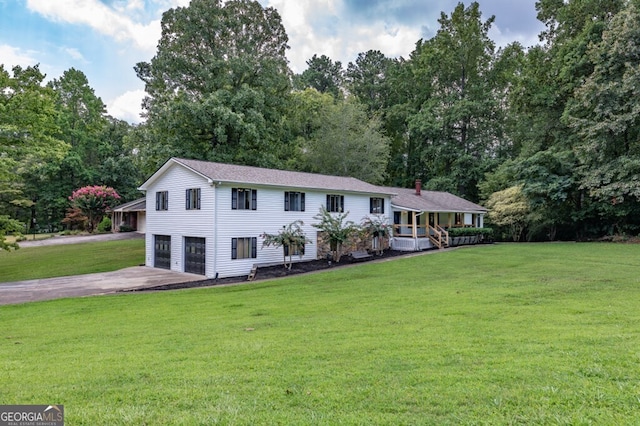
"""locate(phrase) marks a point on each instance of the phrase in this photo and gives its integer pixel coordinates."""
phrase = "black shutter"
(234, 199)
(371, 207)
(234, 248)
(328, 201)
(188, 199)
(254, 247)
(157, 201)
(381, 205)
(302, 201)
(198, 193)
(254, 199)
(341, 203)
(286, 201)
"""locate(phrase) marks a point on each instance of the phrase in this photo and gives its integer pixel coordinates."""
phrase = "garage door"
(162, 251)
(194, 255)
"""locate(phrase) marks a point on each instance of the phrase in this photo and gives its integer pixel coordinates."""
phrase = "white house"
(207, 218)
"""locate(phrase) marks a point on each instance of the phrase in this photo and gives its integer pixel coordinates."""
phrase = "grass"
(70, 259)
(502, 334)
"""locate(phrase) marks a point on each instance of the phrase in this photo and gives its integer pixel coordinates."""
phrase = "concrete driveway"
(90, 284)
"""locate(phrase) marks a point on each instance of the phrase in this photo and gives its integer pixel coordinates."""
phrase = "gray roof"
(433, 201)
(138, 205)
(247, 175)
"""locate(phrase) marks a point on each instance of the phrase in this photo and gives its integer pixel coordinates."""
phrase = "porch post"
(414, 229)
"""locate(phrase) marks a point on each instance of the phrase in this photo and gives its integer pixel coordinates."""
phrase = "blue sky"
(106, 38)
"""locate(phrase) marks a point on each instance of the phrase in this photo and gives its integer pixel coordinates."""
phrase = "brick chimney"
(418, 186)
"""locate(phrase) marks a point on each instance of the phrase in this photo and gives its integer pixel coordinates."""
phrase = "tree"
(337, 231)
(367, 79)
(605, 114)
(28, 137)
(509, 208)
(378, 228)
(291, 238)
(93, 202)
(322, 74)
(9, 226)
(455, 124)
(218, 85)
(348, 143)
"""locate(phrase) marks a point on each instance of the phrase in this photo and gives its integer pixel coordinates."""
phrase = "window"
(244, 199)
(193, 199)
(458, 219)
(335, 203)
(244, 248)
(376, 205)
(293, 201)
(162, 200)
(296, 251)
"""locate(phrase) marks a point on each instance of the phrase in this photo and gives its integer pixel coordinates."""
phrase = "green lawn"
(69, 259)
(501, 334)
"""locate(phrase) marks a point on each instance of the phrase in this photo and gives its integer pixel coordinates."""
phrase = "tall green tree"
(322, 74)
(455, 125)
(367, 80)
(218, 85)
(605, 112)
(29, 138)
(348, 142)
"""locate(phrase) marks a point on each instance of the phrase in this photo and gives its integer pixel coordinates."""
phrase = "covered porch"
(415, 230)
(130, 216)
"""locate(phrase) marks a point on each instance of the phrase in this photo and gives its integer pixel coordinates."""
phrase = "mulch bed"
(278, 271)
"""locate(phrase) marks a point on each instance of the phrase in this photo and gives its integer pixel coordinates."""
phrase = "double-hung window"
(162, 200)
(293, 251)
(244, 248)
(192, 199)
(335, 203)
(293, 201)
(244, 199)
(376, 205)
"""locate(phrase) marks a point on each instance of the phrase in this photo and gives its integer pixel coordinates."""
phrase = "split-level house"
(207, 218)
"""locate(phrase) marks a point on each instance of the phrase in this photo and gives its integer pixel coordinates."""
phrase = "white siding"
(270, 217)
(218, 223)
(177, 221)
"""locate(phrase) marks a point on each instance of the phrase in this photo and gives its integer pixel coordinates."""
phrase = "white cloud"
(348, 39)
(12, 56)
(127, 106)
(74, 53)
(101, 18)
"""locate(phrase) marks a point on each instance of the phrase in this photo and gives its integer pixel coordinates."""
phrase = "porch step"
(253, 273)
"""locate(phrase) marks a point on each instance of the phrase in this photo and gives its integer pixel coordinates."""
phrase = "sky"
(106, 38)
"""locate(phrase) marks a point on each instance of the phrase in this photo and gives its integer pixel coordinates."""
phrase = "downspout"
(215, 227)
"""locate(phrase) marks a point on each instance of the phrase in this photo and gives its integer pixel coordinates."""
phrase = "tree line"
(545, 136)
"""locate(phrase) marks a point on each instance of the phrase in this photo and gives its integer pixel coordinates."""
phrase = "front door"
(162, 251)
(194, 255)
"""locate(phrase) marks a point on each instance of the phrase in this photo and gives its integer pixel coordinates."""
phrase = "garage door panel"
(194, 255)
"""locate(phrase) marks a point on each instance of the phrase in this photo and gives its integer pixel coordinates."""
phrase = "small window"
(162, 200)
(244, 199)
(193, 199)
(458, 218)
(293, 201)
(244, 248)
(335, 203)
(295, 251)
(376, 205)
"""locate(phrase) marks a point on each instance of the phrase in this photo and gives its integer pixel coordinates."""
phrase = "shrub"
(125, 228)
(104, 225)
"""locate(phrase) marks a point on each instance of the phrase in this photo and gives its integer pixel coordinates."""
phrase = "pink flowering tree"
(94, 201)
